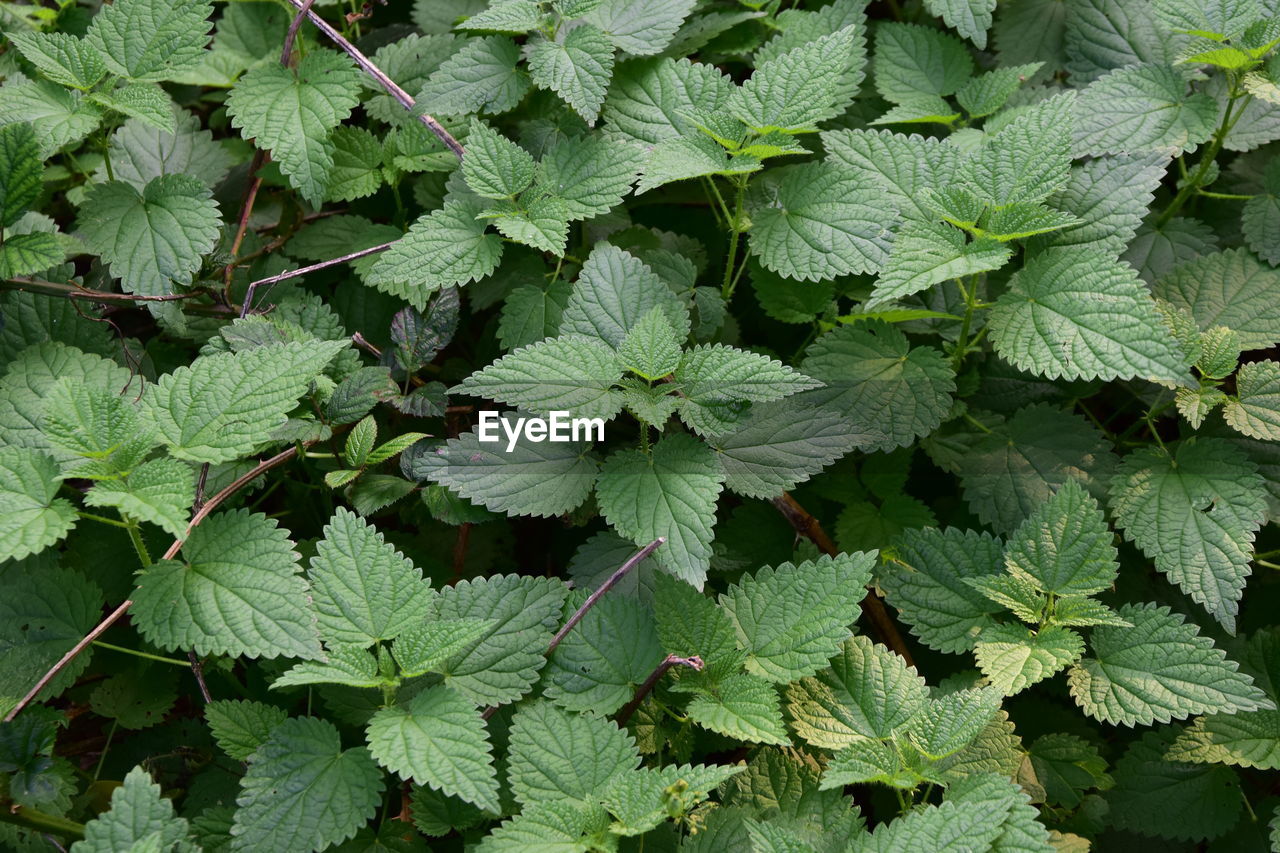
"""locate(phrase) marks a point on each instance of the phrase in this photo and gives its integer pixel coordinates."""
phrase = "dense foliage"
(936, 346)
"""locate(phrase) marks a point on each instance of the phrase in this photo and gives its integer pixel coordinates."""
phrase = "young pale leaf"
(614, 291)
(446, 247)
(302, 791)
(1256, 409)
(293, 111)
(1077, 313)
(32, 517)
(886, 389)
(816, 221)
(1139, 108)
(236, 591)
(503, 663)
(494, 166)
(137, 815)
(926, 585)
(364, 590)
(669, 492)
(868, 692)
(1195, 513)
(427, 646)
(578, 69)
(153, 238)
(1231, 289)
(558, 756)
(1160, 669)
(570, 373)
(350, 666)
(792, 619)
(150, 39)
(1014, 657)
(1065, 547)
(241, 726)
(796, 90)
(598, 666)
(741, 706)
(651, 349)
(439, 739)
(225, 405)
(866, 760)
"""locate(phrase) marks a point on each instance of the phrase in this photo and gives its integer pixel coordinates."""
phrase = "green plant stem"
(1192, 184)
(39, 821)
(735, 236)
(146, 655)
(1226, 196)
(101, 519)
(106, 747)
(135, 536)
(970, 306)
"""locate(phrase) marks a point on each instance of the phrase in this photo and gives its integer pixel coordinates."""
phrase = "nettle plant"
(966, 309)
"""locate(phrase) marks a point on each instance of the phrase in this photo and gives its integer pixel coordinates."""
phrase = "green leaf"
(146, 102)
(929, 253)
(797, 209)
(560, 757)
(640, 27)
(241, 726)
(357, 165)
(1195, 514)
(350, 666)
(1014, 657)
(21, 172)
(1028, 159)
(1256, 409)
(224, 406)
(494, 166)
(43, 615)
(602, 661)
(363, 589)
(1250, 739)
(427, 646)
(689, 623)
(32, 517)
(1156, 796)
(741, 706)
(1110, 197)
(61, 57)
(138, 813)
(1020, 220)
(140, 152)
(1067, 766)
(651, 349)
(1077, 313)
(589, 175)
(236, 591)
(570, 373)
(926, 585)
(970, 18)
(97, 425)
(446, 247)
(1229, 289)
(614, 291)
(1158, 670)
(1142, 107)
(779, 445)
(641, 801)
(1064, 547)
(503, 663)
(577, 69)
(715, 373)
(152, 238)
(1260, 219)
(670, 492)
(150, 40)
(792, 619)
(531, 313)
(886, 389)
(657, 99)
(952, 721)
(158, 492)
(902, 166)
(796, 90)
(1008, 472)
(1014, 591)
(293, 111)
(481, 76)
(439, 739)
(25, 254)
(59, 116)
(988, 92)
(554, 825)
(913, 60)
(516, 16)
(302, 791)
(1214, 19)
(866, 760)
(869, 692)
